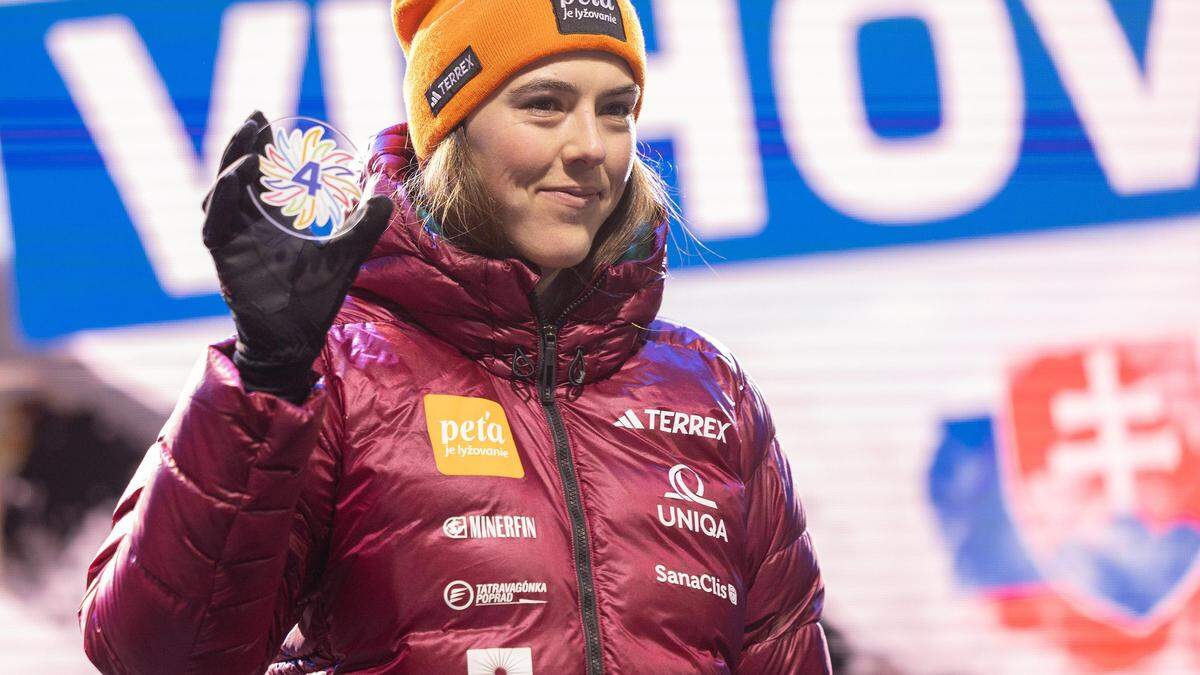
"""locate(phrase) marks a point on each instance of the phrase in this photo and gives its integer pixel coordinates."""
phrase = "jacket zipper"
(547, 362)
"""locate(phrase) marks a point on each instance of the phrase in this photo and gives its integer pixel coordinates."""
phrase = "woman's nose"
(585, 144)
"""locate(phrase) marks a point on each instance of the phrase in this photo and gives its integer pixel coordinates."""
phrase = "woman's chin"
(556, 261)
(556, 253)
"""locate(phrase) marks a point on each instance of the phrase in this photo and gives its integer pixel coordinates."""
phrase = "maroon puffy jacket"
(467, 490)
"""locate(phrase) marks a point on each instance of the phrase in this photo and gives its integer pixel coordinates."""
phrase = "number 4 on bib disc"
(309, 178)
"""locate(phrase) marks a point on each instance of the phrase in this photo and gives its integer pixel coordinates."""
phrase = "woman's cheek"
(525, 160)
(619, 162)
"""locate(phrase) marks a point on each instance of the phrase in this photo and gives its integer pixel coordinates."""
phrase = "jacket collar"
(484, 306)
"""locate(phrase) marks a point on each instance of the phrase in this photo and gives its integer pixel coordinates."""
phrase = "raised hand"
(283, 291)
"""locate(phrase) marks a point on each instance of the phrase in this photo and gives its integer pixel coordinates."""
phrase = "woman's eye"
(543, 105)
(619, 109)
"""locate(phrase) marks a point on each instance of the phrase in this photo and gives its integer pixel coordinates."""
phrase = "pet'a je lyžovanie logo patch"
(589, 17)
(471, 437)
(452, 80)
(1075, 509)
(309, 178)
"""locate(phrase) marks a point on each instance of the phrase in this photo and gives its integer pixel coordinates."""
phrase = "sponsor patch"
(589, 17)
(708, 583)
(673, 422)
(684, 516)
(490, 527)
(460, 595)
(471, 437)
(452, 80)
(510, 661)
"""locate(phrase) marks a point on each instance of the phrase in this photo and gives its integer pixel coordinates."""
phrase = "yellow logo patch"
(471, 437)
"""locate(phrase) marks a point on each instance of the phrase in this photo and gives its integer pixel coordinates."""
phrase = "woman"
(491, 457)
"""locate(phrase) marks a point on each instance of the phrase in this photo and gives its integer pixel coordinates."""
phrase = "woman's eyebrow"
(545, 86)
(629, 89)
(549, 85)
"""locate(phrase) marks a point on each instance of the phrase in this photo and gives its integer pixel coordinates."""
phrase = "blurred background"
(956, 243)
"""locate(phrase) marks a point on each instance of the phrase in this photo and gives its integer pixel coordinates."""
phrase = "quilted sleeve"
(785, 591)
(214, 542)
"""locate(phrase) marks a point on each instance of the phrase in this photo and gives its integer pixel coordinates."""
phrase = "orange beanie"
(460, 51)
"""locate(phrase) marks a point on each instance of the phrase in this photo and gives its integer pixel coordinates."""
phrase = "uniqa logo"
(680, 489)
(690, 519)
(602, 4)
(695, 521)
(472, 430)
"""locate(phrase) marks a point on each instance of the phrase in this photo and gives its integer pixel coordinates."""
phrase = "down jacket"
(469, 488)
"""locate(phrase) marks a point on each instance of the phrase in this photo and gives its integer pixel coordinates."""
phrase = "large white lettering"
(482, 430)
(141, 138)
(362, 67)
(695, 521)
(937, 175)
(701, 582)
(699, 97)
(1145, 128)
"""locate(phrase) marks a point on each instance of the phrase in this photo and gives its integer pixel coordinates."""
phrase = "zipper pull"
(547, 366)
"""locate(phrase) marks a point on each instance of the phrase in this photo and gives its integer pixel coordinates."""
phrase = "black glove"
(283, 291)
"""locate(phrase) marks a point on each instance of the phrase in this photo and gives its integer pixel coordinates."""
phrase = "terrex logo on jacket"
(675, 423)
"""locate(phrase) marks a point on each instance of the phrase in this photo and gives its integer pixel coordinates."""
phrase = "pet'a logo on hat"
(589, 17)
(456, 76)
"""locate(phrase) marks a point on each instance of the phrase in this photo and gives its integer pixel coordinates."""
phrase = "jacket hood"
(485, 306)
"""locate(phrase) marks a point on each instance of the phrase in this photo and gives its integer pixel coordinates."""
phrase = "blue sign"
(790, 127)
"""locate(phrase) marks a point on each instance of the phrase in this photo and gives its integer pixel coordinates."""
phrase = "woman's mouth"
(576, 198)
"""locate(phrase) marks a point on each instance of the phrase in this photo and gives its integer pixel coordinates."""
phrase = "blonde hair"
(448, 187)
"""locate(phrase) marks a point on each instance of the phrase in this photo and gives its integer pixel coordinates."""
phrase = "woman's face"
(554, 148)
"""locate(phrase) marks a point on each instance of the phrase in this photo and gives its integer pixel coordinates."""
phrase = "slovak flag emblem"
(1098, 450)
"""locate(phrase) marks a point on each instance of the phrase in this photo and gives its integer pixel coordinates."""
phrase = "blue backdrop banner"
(789, 127)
